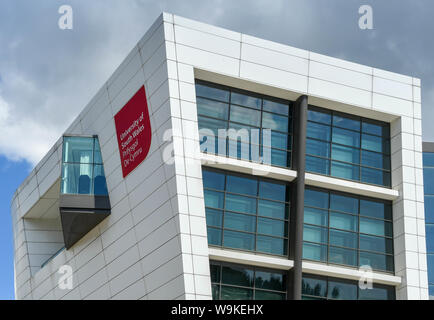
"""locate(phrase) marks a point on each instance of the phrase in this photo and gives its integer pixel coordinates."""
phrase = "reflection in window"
(326, 288)
(246, 213)
(347, 230)
(236, 282)
(348, 147)
(82, 169)
(220, 107)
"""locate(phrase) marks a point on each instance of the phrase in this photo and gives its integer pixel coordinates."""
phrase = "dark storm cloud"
(49, 74)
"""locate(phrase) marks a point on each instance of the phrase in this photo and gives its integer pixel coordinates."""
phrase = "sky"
(47, 75)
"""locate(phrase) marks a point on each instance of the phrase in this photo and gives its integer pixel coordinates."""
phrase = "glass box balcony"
(84, 200)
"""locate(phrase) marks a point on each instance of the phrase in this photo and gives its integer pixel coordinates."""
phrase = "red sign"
(133, 130)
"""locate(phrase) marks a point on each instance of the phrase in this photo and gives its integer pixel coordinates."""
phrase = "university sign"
(133, 131)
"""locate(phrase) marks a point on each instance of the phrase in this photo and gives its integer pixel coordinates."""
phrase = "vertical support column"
(297, 213)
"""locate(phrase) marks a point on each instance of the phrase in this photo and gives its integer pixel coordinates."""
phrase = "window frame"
(254, 269)
(286, 220)
(357, 231)
(290, 133)
(360, 166)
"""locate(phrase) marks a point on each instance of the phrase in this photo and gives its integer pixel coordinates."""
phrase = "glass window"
(430, 261)
(271, 245)
(377, 293)
(376, 227)
(344, 203)
(245, 100)
(346, 154)
(318, 148)
(249, 213)
(374, 176)
(345, 170)
(214, 217)
(315, 234)
(245, 115)
(375, 143)
(234, 293)
(345, 122)
(214, 199)
(272, 209)
(279, 140)
(240, 203)
(377, 244)
(428, 159)
(259, 127)
(276, 107)
(343, 239)
(342, 256)
(375, 129)
(429, 208)
(317, 165)
(274, 122)
(313, 286)
(318, 131)
(241, 222)
(316, 198)
(238, 240)
(375, 160)
(342, 290)
(212, 92)
(343, 221)
(429, 237)
(231, 281)
(270, 190)
(212, 108)
(241, 185)
(375, 209)
(318, 116)
(346, 137)
(339, 289)
(360, 148)
(213, 180)
(316, 216)
(376, 261)
(270, 280)
(428, 175)
(348, 230)
(82, 169)
(272, 227)
(314, 251)
(214, 236)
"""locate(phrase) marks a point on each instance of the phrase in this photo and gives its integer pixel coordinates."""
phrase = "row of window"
(338, 144)
(239, 282)
(249, 213)
(221, 108)
(348, 230)
(246, 213)
(347, 147)
(327, 288)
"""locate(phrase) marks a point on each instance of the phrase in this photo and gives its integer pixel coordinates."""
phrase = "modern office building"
(214, 164)
(428, 177)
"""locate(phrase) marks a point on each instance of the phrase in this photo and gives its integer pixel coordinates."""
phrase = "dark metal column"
(297, 213)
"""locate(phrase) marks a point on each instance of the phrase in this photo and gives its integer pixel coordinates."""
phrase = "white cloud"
(23, 138)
